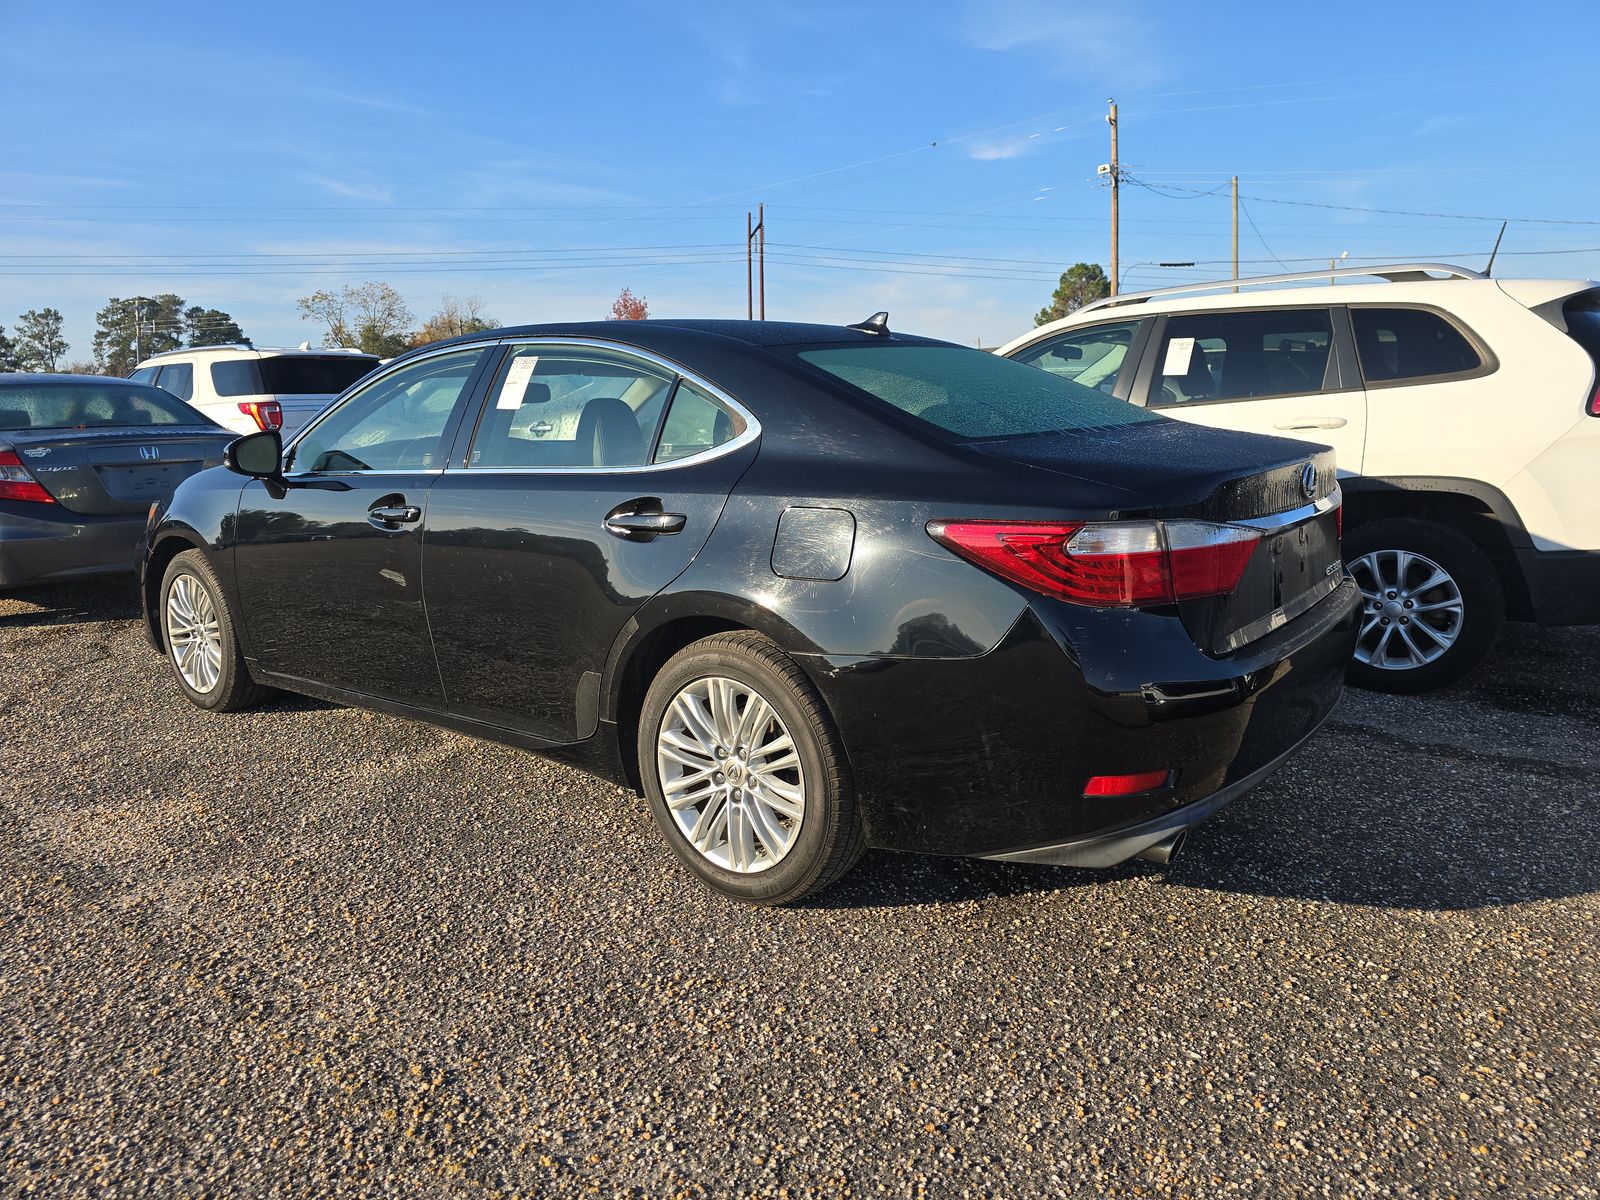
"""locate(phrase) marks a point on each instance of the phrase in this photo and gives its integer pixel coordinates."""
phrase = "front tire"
(1431, 605)
(198, 631)
(746, 777)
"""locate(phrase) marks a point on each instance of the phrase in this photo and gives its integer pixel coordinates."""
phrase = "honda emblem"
(150, 453)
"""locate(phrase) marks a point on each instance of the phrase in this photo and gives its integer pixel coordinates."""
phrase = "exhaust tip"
(1166, 851)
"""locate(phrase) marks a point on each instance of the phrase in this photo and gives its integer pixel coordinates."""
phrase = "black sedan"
(807, 588)
(82, 457)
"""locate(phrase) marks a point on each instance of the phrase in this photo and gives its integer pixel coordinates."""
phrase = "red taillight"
(267, 414)
(1594, 402)
(17, 483)
(1116, 564)
(1126, 785)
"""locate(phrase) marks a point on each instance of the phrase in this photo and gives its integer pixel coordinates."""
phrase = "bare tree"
(370, 315)
(456, 315)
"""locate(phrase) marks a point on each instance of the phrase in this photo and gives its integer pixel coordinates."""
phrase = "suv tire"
(1432, 604)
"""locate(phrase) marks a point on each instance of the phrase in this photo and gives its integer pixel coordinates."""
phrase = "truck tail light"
(18, 483)
(267, 414)
(1107, 564)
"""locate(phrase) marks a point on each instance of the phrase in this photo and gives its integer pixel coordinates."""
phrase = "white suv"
(249, 388)
(1463, 410)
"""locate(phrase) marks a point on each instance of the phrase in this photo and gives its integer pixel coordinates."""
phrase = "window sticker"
(1180, 353)
(516, 384)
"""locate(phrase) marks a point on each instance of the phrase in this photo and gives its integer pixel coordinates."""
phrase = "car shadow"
(112, 598)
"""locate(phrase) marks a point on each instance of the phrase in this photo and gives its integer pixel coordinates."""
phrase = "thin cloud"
(352, 190)
(1103, 41)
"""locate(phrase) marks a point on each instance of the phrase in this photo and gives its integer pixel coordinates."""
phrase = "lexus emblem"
(1308, 480)
(150, 453)
(540, 428)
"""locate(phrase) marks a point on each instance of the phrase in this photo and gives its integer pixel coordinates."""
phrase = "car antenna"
(877, 323)
(1489, 270)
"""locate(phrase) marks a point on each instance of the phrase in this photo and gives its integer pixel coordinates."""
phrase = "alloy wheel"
(731, 775)
(194, 633)
(1411, 609)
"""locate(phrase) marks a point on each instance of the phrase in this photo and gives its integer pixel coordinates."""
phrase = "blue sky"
(937, 160)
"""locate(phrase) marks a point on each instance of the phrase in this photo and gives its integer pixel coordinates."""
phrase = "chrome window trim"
(752, 427)
(369, 381)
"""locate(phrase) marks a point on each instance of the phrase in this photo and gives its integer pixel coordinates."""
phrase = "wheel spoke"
(768, 831)
(782, 799)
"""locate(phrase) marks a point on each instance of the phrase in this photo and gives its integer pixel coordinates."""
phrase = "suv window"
(695, 423)
(236, 377)
(1409, 343)
(972, 394)
(308, 375)
(395, 424)
(1583, 323)
(177, 378)
(144, 375)
(554, 406)
(1242, 355)
(1090, 357)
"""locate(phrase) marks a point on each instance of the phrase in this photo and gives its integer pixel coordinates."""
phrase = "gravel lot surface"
(311, 951)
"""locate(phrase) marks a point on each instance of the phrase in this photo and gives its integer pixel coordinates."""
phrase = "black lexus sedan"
(807, 588)
(82, 457)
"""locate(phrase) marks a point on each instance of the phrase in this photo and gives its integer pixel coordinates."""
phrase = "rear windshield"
(290, 375)
(971, 394)
(91, 406)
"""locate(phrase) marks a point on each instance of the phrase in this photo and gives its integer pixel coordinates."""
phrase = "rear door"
(1274, 371)
(590, 482)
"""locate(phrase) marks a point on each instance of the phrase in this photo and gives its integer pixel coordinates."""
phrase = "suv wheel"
(1431, 604)
(746, 777)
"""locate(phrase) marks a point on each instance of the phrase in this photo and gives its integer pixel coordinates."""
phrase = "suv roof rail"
(1392, 273)
(198, 349)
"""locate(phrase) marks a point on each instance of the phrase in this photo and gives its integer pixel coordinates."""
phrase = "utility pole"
(755, 262)
(1116, 180)
(1236, 230)
(138, 330)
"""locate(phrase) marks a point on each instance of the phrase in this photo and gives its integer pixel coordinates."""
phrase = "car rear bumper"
(988, 756)
(1563, 585)
(53, 544)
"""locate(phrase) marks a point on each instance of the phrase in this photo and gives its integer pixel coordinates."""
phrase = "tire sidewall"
(1482, 600)
(191, 564)
(805, 859)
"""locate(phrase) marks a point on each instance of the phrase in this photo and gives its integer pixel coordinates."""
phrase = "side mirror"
(258, 455)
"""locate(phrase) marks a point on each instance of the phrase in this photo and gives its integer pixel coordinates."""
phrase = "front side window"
(972, 394)
(1242, 356)
(397, 423)
(695, 423)
(560, 406)
(1090, 357)
(1409, 343)
(178, 378)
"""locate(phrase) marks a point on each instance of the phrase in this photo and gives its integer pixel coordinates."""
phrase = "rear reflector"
(267, 414)
(17, 483)
(1107, 564)
(1127, 785)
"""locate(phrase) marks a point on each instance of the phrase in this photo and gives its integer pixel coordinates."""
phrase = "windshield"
(971, 394)
(90, 406)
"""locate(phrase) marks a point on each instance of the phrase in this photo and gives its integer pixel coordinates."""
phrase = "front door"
(592, 480)
(329, 561)
(1271, 371)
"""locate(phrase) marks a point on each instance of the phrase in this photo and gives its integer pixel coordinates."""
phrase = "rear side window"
(238, 377)
(1409, 343)
(1091, 357)
(1242, 356)
(308, 375)
(971, 394)
(1583, 323)
(177, 378)
(695, 423)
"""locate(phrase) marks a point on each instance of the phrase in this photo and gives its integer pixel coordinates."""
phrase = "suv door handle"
(643, 521)
(1312, 423)
(388, 516)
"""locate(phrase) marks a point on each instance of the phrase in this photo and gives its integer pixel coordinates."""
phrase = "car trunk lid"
(106, 471)
(1284, 490)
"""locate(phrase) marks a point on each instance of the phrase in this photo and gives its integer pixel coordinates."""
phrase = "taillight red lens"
(1126, 785)
(1116, 564)
(267, 414)
(1594, 402)
(18, 483)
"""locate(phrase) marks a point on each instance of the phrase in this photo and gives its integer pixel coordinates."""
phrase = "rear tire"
(198, 630)
(1432, 604)
(751, 819)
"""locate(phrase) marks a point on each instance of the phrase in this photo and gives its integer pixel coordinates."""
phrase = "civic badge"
(150, 453)
(1308, 480)
(37, 451)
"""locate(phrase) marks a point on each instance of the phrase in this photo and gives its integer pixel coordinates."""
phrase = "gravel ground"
(311, 951)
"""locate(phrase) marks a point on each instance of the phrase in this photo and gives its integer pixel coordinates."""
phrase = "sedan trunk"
(106, 471)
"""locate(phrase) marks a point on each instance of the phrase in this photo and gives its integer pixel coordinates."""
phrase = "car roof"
(42, 379)
(664, 333)
(260, 351)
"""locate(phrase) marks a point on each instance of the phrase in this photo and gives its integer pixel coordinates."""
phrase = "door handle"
(388, 516)
(1312, 423)
(643, 521)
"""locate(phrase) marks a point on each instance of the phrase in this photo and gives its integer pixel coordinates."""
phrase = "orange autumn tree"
(628, 307)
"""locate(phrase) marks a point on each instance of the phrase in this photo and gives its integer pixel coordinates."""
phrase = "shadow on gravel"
(111, 599)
